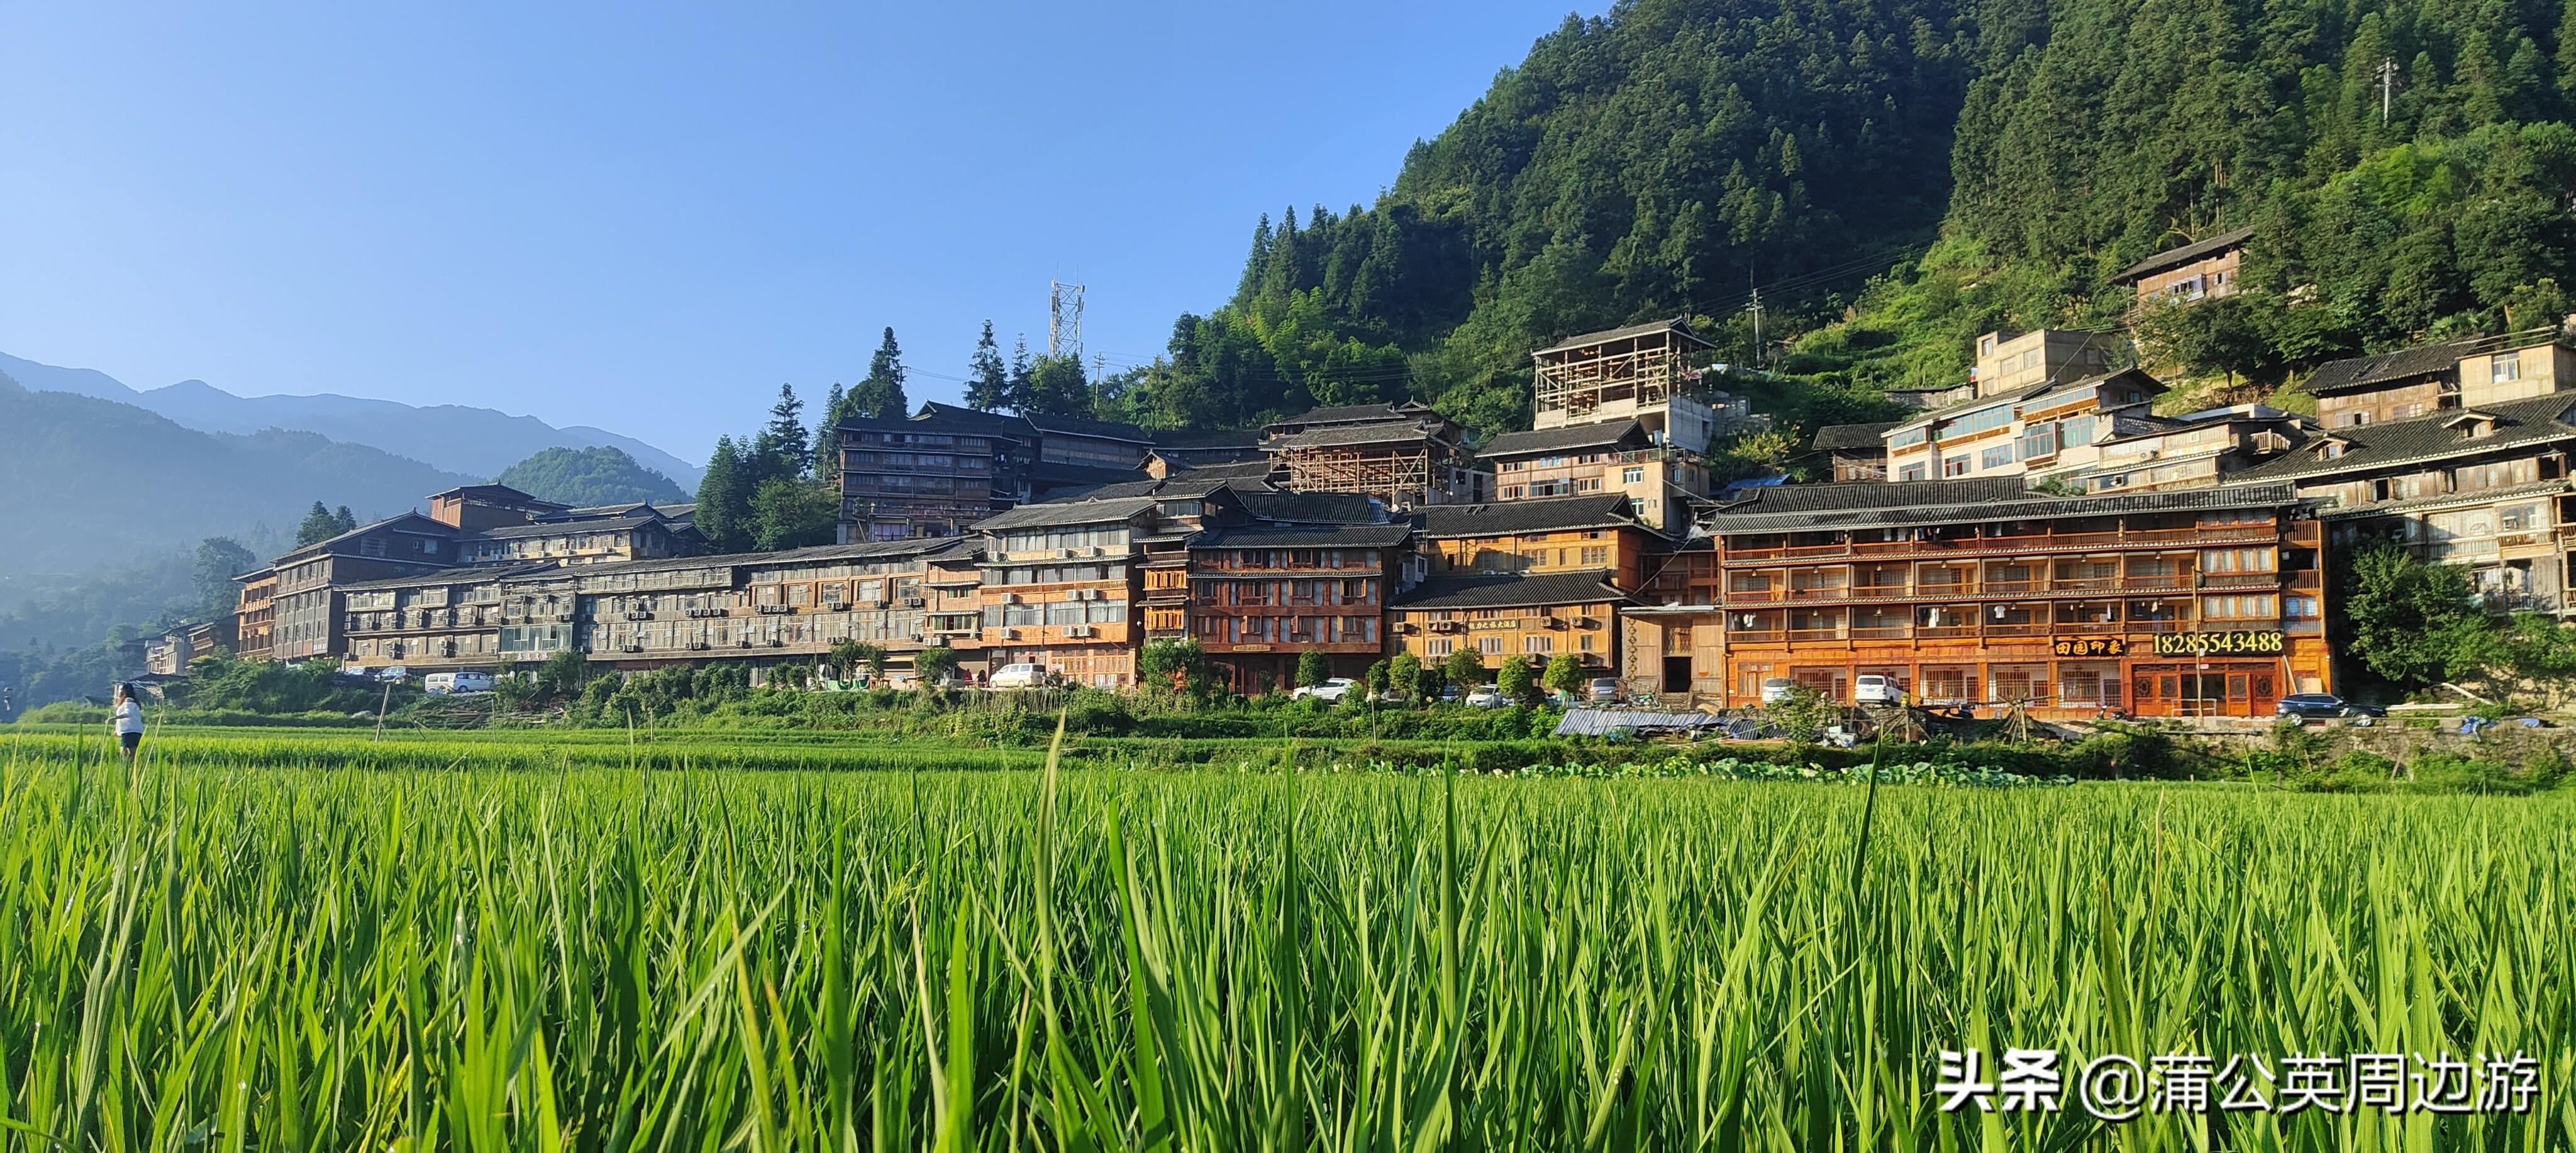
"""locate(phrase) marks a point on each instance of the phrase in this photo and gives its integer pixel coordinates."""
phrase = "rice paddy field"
(330, 943)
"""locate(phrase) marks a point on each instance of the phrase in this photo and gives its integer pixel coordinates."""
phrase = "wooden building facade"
(1260, 597)
(2199, 603)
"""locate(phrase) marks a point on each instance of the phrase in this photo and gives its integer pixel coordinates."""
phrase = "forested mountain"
(588, 477)
(458, 438)
(89, 481)
(1897, 175)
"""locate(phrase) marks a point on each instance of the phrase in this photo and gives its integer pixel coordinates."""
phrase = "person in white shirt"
(125, 718)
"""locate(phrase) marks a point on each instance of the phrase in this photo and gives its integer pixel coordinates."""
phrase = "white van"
(1019, 677)
(444, 684)
(1875, 689)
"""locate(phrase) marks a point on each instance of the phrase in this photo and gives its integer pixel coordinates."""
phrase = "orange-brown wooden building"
(2191, 603)
(1595, 534)
(1261, 597)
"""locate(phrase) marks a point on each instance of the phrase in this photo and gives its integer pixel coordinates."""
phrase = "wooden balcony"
(2008, 546)
(2044, 587)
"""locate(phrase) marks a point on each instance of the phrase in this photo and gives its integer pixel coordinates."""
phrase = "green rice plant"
(327, 943)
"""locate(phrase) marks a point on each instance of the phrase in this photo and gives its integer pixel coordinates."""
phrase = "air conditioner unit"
(1556, 623)
(914, 602)
(1077, 630)
(1068, 554)
(699, 646)
(1097, 550)
(745, 642)
(1010, 598)
(1010, 634)
(777, 643)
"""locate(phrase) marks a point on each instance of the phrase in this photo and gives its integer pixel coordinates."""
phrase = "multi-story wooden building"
(1539, 616)
(2038, 428)
(2203, 602)
(927, 477)
(1062, 583)
(444, 619)
(306, 611)
(1412, 458)
(2190, 451)
(1650, 373)
(255, 613)
(1260, 597)
(2392, 386)
(1609, 457)
(2010, 362)
(2201, 270)
(2486, 488)
(1586, 534)
(1855, 451)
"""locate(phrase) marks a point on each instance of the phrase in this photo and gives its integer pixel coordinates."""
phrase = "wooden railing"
(2008, 545)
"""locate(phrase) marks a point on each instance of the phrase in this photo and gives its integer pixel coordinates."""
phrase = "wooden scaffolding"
(1624, 371)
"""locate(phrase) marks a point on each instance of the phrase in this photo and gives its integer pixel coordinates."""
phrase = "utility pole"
(1755, 307)
(2387, 86)
(1064, 320)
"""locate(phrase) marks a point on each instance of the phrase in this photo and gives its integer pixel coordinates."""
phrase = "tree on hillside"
(343, 520)
(781, 449)
(1056, 387)
(794, 512)
(988, 387)
(586, 477)
(1015, 391)
(219, 560)
(319, 525)
(724, 500)
(881, 394)
(836, 408)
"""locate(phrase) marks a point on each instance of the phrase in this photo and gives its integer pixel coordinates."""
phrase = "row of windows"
(1056, 613)
(1284, 630)
(1310, 592)
(1080, 536)
(1532, 644)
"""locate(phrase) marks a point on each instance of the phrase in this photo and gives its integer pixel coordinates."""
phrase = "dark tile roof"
(458, 575)
(2388, 367)
(986, 423)
(1605, 434)
(500, 492)
(1604, 510)
(861, 550)
(1647, 329)
(1282, 505)
(2185, 254)
(1495, 592)
(1101, 429)
(2473, 496)
(1205, 438)
(1179, 487)
(1801, 508)
(1845, 437)
(414, 523)
(1057, 474)
(568, 527)
(2373, 447)
(1256, 469)
(1315, 536)
(1339, 435)
(1357, 414)
(939, 425)
(1067, 512)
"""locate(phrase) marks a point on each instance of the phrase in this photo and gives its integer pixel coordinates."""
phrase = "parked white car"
(1777, 689)
(1487, 697)
(447, 684)
(1019, 677)
(1330, 692)
(1875, 689)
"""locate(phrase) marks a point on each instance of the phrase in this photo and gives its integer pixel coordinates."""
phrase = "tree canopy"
(584, 477)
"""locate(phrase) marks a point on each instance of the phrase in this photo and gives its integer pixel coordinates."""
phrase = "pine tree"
(724, 500)
(344, 520)
(1016, 393)
(318, 526)
(836, 408)
(881, 394)
(780, 449)
(987, 388)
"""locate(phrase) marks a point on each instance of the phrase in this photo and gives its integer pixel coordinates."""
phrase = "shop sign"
(2256, 642)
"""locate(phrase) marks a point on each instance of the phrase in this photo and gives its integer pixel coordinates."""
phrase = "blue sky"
(646, 218)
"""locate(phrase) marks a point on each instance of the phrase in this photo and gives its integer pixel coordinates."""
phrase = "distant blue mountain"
(476, 442)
